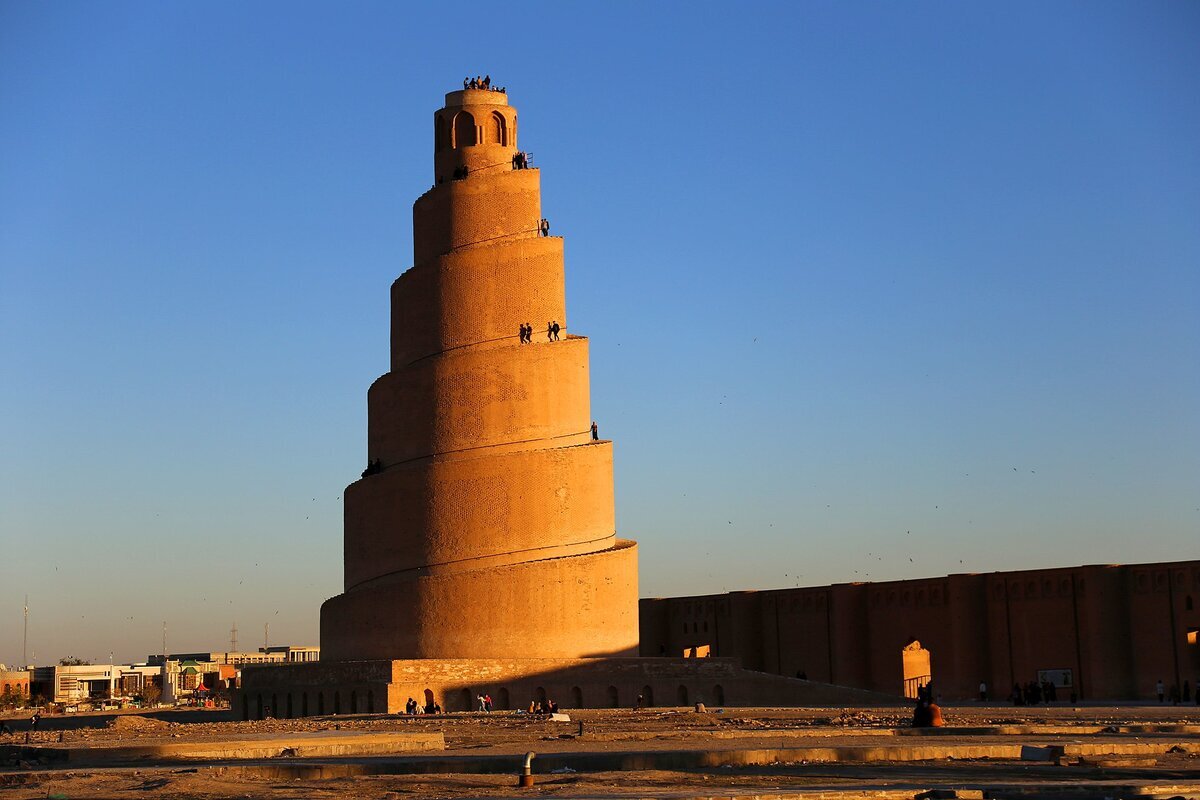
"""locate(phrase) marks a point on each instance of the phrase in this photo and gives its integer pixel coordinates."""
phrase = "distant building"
(92, 682)
(283, 654)
(14, 683)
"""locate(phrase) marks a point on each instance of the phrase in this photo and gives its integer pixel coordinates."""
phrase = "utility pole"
(266, 636)
(233, 638)
(164, 641)
(25, 636)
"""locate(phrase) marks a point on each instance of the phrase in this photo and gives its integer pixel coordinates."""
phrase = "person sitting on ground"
(927, 714)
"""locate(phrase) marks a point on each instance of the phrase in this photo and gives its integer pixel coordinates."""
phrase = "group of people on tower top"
(552, 329)
(520, 160)
(484, 83)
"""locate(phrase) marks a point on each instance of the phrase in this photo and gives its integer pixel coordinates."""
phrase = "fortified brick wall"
(1118, 629)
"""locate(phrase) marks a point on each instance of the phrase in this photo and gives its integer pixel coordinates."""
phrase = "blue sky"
(875, 291)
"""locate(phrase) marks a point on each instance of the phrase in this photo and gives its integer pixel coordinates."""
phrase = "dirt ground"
(1168, 774)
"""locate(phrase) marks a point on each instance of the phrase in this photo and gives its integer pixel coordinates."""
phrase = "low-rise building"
(14, 685)
(283, 654)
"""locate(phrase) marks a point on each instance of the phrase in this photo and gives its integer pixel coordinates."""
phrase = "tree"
(151, 691)
(72, 661)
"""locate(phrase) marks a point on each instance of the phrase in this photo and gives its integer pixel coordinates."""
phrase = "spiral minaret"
(484, 527)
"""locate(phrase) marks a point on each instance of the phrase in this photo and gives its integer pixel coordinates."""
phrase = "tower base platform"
(365, 687)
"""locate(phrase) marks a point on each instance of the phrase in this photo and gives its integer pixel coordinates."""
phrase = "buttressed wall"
(488, 530)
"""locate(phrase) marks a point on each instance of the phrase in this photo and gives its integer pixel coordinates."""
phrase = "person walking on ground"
(595, 432)
(34, 720)
(1160, 690)
(544, 227)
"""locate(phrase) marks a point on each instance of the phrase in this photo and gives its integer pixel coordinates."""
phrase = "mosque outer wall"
(1118, 628)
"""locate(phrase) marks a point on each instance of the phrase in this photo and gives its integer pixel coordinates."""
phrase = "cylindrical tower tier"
(484, 209)
(578, 607)
(470, 399)
(478, 297)
(518, 506)
(477, 129)
(484, 524)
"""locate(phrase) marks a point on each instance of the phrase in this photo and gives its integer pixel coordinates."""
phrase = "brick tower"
(485, 526)
(480, 546)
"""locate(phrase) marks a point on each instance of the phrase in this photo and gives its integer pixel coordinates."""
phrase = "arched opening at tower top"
(464, 129)
(497, 129)
(917, 664)
(441, 135)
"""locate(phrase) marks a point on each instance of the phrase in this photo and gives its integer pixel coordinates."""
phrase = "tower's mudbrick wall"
(487, 529)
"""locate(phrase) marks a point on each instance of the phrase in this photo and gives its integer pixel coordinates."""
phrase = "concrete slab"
(247, 746)
(676, 759)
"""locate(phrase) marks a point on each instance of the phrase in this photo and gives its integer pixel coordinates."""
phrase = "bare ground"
(644, 731)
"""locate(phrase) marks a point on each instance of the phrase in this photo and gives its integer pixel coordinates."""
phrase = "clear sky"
(875, 291)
